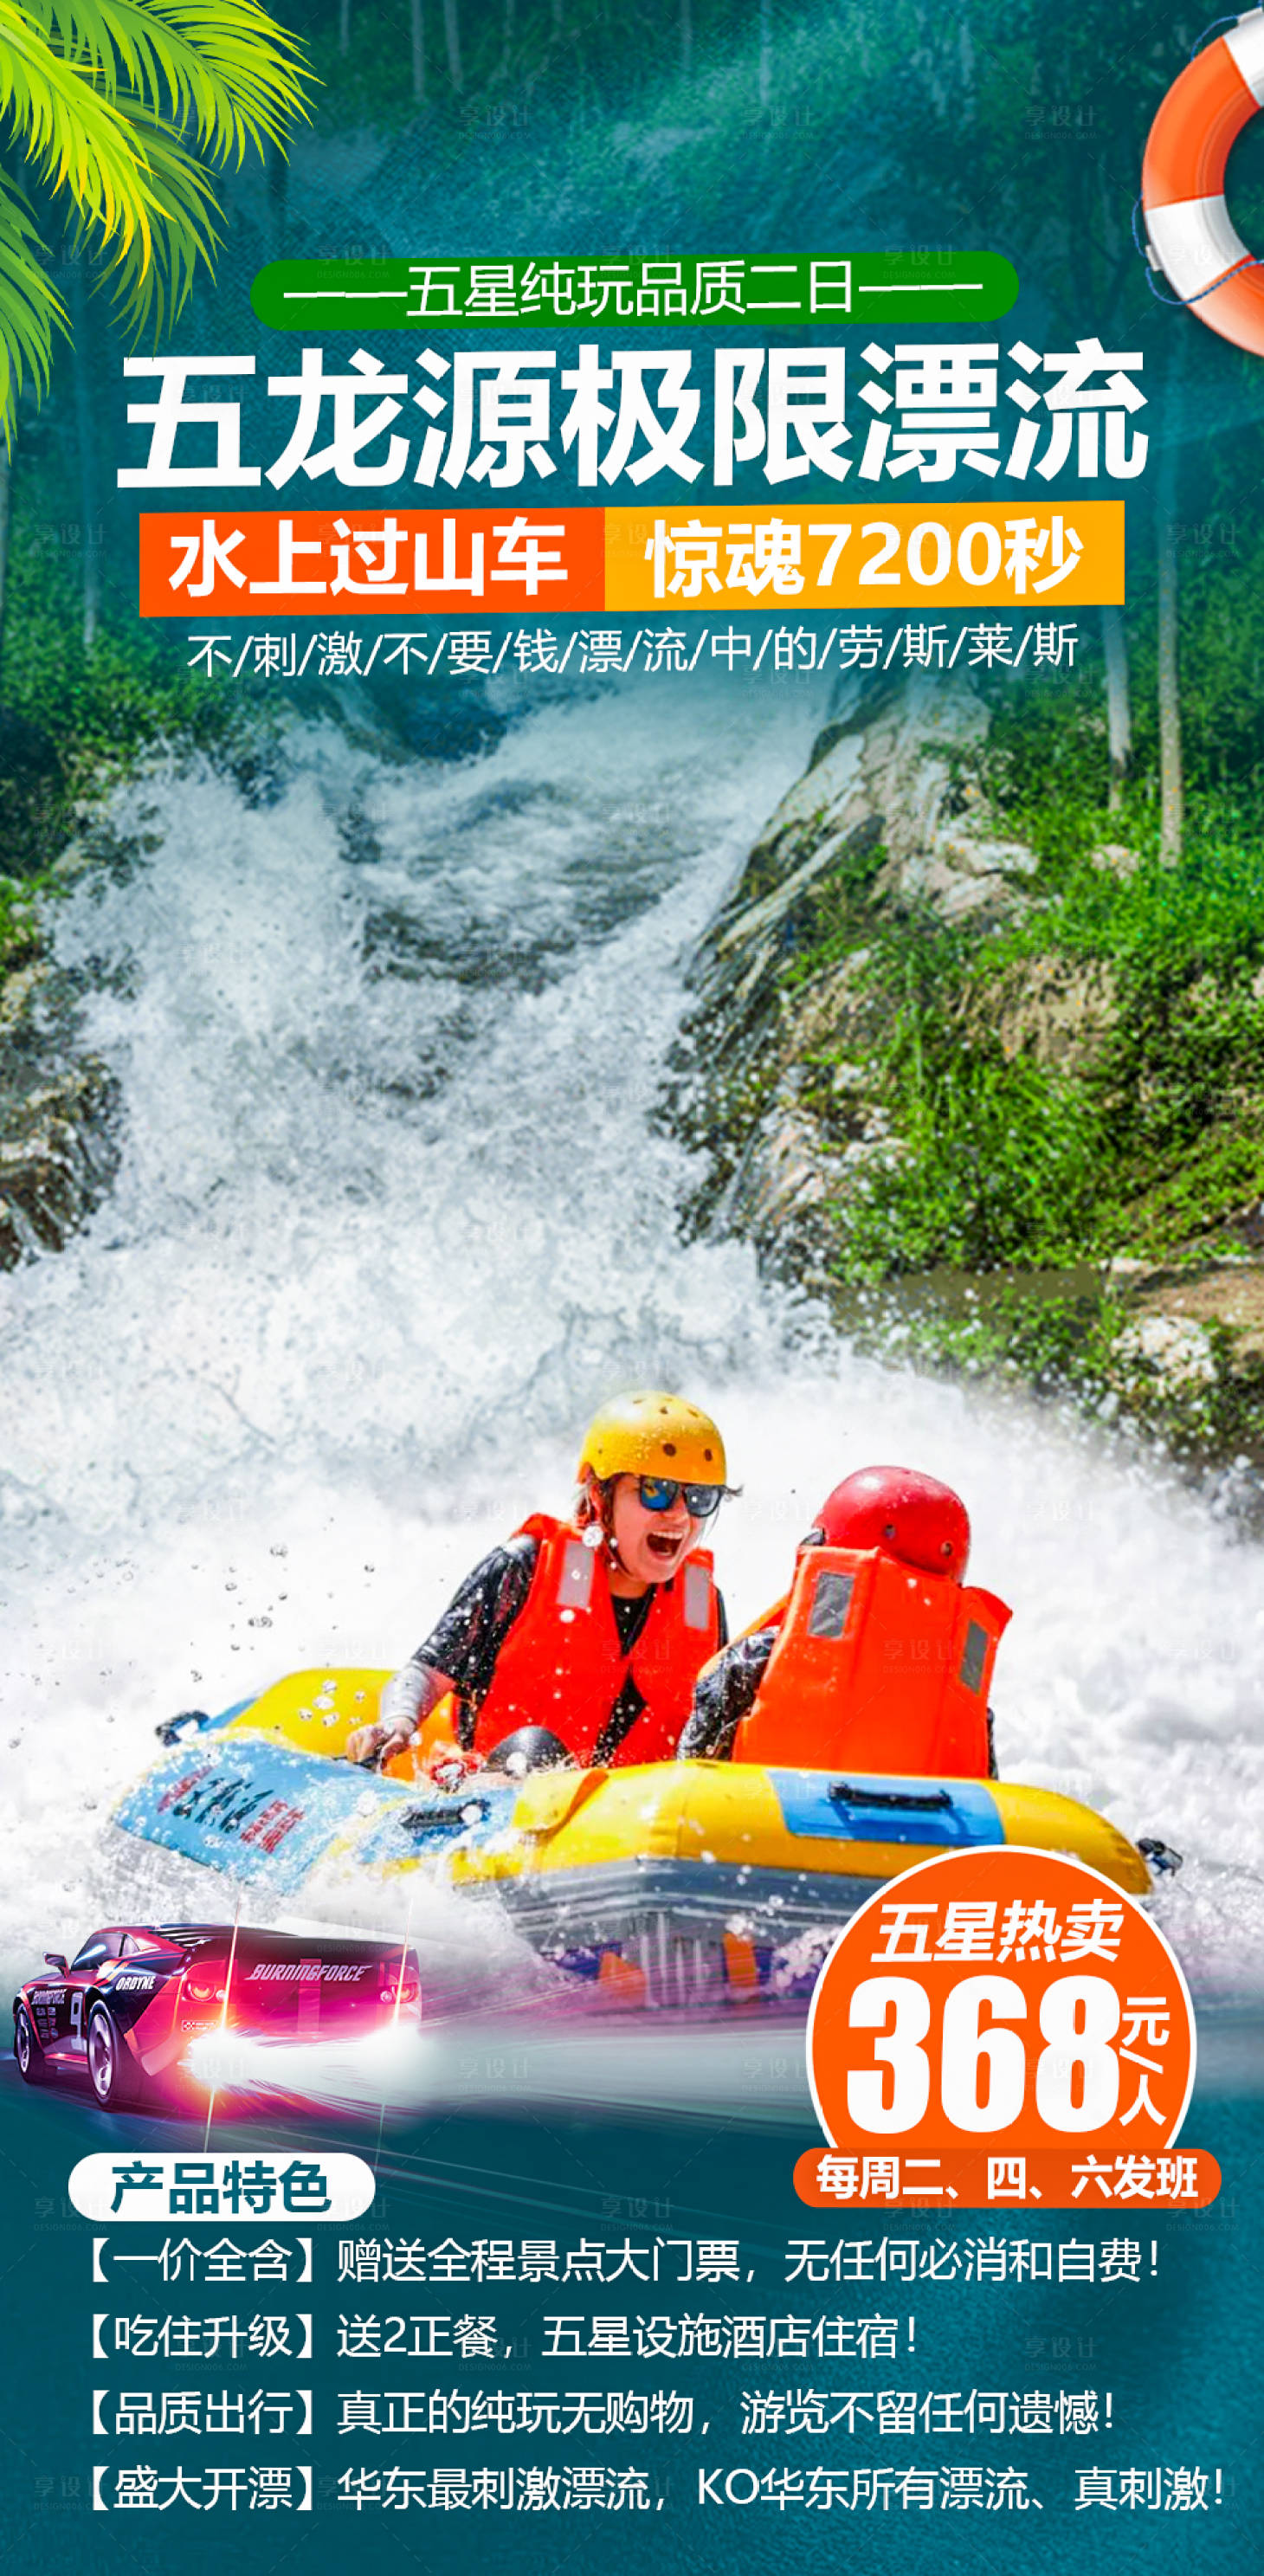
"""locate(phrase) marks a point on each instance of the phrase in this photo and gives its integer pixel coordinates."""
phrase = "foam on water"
(393, 1214)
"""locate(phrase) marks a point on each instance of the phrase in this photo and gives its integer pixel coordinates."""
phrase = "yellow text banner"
(1043, 556)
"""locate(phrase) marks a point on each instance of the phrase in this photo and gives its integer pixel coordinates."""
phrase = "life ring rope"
(1185, 303)
(1200, 41)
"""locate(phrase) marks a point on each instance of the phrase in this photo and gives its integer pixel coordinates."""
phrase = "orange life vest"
(562, 1664)
(877, 1667)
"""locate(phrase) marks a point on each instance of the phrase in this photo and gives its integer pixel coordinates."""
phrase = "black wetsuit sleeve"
(993, 1770)
(724, 1696)
(466, 1642)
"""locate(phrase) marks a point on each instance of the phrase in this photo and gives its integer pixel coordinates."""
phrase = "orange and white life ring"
(1182, 184)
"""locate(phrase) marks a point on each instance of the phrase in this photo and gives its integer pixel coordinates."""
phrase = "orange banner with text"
(362, 562)
(997, 2026)
(1044, 557)
(1185, 2178)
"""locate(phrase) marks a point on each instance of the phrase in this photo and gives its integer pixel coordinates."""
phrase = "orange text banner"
(369, 562)
(1048, 2178)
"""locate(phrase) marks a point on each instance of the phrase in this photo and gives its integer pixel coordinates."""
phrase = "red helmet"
(906, 1514)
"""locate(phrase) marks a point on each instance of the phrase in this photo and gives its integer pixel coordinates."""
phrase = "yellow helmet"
(654, 1435)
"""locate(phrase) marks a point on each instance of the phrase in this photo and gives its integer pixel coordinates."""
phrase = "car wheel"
(109, 2066)
(26, 2048)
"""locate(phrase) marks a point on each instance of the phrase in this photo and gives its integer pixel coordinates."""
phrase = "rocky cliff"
(783, 1078)
(882, 824)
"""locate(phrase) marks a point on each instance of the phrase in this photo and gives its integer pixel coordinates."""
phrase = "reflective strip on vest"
(575, 1580)
(831, 1601)
(974, 1656)
(697, 1596)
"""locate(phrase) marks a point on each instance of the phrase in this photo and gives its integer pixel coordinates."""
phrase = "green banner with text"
(781, 290)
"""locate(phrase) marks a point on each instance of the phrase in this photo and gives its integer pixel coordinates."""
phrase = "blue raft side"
(816, 1803)
(260, 1809)
(256, 1809)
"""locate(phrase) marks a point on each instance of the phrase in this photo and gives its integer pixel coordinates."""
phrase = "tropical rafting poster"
(631, 882)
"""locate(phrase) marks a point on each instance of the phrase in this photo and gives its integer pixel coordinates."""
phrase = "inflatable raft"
(666, 1883)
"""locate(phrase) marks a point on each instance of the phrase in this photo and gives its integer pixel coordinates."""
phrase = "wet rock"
(1228, 1293)
(58, 1119)
(1058, 1009)
(882, 818)
(966, 872)
(877, 785)
(838, 1007)
(881, 803)
(781, 1181)
(784, 1190)
(1170, 1346)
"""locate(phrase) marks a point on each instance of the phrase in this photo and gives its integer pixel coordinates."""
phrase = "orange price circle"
(1007, 1998)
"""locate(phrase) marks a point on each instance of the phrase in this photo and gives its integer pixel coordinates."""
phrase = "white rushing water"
(393, 1215)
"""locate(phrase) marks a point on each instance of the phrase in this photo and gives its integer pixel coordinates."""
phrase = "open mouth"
(662, 1546)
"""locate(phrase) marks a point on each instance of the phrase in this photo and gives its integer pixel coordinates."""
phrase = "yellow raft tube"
(671, 1878)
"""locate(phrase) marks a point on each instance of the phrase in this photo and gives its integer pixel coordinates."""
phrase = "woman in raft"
(594, 1628)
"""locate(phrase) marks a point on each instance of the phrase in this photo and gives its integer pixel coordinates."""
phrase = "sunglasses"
(658, 1493)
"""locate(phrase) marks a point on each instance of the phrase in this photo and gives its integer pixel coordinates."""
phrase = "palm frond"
(118, 105)
(30, 309)
(103, 42)
(256, 65)
(149, 291)
(224, 66)
(76, 139)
